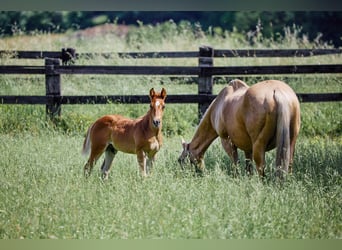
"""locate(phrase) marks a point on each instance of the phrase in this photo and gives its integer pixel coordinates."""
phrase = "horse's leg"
(96, 152)
(230, 149)
(264, 137)
(249, 163)
(109, 156)
(292, 149)
(142, 162)
(293, 138)
(259, 157)
(88, 167)
(232, 152)
(149, 164)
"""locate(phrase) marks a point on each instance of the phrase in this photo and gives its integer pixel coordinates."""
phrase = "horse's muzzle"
(181, 162)
(156, 123)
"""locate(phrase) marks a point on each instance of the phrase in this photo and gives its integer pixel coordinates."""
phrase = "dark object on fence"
(68, 56)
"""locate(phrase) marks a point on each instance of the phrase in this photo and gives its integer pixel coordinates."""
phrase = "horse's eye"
(151, 106)
(163, 107)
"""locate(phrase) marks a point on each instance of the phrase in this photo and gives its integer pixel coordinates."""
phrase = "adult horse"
(113, 133)
(254, 119)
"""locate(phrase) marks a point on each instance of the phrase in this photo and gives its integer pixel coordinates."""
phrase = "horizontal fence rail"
(134, 99)
(174, 70)
(179, 54)
(203, 74)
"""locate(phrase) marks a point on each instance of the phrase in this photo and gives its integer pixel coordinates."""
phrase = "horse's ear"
(184, 144)
(163, 94)
(152, 93)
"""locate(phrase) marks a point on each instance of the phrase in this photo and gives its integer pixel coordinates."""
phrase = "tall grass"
(44, 194)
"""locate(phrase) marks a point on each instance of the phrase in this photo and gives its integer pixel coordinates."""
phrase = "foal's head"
(157, 106)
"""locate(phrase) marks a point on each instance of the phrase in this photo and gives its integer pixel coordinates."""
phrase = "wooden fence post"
(205, 82)
(53, 88)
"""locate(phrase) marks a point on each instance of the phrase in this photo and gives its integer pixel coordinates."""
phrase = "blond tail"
(87, 143)
(283, 132)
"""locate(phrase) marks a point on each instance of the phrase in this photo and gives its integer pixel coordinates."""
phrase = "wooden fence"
(58, 63)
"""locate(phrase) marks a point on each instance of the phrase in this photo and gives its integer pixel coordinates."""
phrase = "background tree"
(324, 25)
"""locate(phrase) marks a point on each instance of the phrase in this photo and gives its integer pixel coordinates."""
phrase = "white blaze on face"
(157, 114)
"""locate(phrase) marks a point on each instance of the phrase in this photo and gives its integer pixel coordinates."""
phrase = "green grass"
(44, 195)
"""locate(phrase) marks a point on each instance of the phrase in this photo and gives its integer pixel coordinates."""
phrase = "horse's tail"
(87, 142)
(283, 131)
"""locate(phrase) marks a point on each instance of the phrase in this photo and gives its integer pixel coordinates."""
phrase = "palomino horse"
(113, 133)
(254, 119)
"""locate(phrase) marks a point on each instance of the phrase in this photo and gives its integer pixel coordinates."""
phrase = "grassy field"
(44, 194)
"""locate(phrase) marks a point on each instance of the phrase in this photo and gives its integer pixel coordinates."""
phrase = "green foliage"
(314, 25)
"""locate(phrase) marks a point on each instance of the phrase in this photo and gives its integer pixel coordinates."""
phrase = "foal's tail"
(283, 131)
(87, 143)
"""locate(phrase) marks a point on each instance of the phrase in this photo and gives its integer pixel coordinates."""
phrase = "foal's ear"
(152, 93)
(163, 94)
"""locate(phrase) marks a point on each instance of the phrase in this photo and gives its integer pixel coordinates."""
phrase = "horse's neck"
(204, 135)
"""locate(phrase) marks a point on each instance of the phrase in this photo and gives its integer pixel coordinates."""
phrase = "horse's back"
(116, 130)
(261, 96)
(267, 88)
(116, 123)
(255, 108)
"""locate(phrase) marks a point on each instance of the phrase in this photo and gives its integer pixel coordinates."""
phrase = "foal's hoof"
(105, 176)
(86, 173)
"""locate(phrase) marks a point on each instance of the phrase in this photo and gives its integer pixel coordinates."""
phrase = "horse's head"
(157, 106)
(188, 155)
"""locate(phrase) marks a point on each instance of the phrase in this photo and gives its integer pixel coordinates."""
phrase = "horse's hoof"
(86, 173)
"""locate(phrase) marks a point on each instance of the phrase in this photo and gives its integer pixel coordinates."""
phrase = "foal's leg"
(109, 156)
(88, 167)
(142, 162)
(149, 165)
(96, 152)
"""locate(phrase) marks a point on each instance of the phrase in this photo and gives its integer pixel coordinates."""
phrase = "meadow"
(44, 194)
